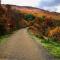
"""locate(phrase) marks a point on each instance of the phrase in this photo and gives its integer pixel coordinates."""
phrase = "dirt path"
(21, 47)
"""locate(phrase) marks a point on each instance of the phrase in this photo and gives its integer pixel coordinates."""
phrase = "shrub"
(16, 16)
(29, 17)
(2, 11)
(42, 18)
(55, 33)
(48, 22)
(2, 29)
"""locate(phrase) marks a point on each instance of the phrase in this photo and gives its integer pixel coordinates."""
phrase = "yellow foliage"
(54, 31)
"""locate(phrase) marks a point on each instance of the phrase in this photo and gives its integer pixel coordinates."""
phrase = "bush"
(16, 16)
(2, 29)
(55, 33)
(49, 22)
(29, 17)
(42, 18)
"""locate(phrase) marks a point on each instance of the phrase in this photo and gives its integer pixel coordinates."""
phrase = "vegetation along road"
(20, 46)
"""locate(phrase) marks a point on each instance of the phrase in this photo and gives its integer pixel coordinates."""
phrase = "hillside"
(36, 11)
(39, 21)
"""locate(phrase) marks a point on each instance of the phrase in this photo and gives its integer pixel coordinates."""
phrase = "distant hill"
(36, 11)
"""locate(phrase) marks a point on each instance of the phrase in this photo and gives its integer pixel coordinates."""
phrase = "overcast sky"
(51, 5)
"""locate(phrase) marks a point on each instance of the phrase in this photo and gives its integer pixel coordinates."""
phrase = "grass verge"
(4, 38)
(52, 47)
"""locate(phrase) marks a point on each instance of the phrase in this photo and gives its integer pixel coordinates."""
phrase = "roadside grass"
(51, 46)
(4, 38)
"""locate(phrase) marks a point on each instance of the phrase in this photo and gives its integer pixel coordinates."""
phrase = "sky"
(50, 5)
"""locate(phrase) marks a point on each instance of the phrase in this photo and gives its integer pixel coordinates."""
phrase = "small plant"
(29, 17)
(42, 18)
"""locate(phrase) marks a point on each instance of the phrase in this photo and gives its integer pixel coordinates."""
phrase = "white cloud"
(33, 3)
(53, 8)
(51, 5)
(58, 8)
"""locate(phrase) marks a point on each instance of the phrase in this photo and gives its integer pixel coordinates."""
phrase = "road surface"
(20, 46)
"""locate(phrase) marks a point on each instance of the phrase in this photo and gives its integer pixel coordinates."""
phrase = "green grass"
(3, 39)
(50, 45)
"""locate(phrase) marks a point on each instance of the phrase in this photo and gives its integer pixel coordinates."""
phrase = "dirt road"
(20, 46)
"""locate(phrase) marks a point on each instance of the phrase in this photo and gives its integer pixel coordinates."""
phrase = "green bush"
(29, 17)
